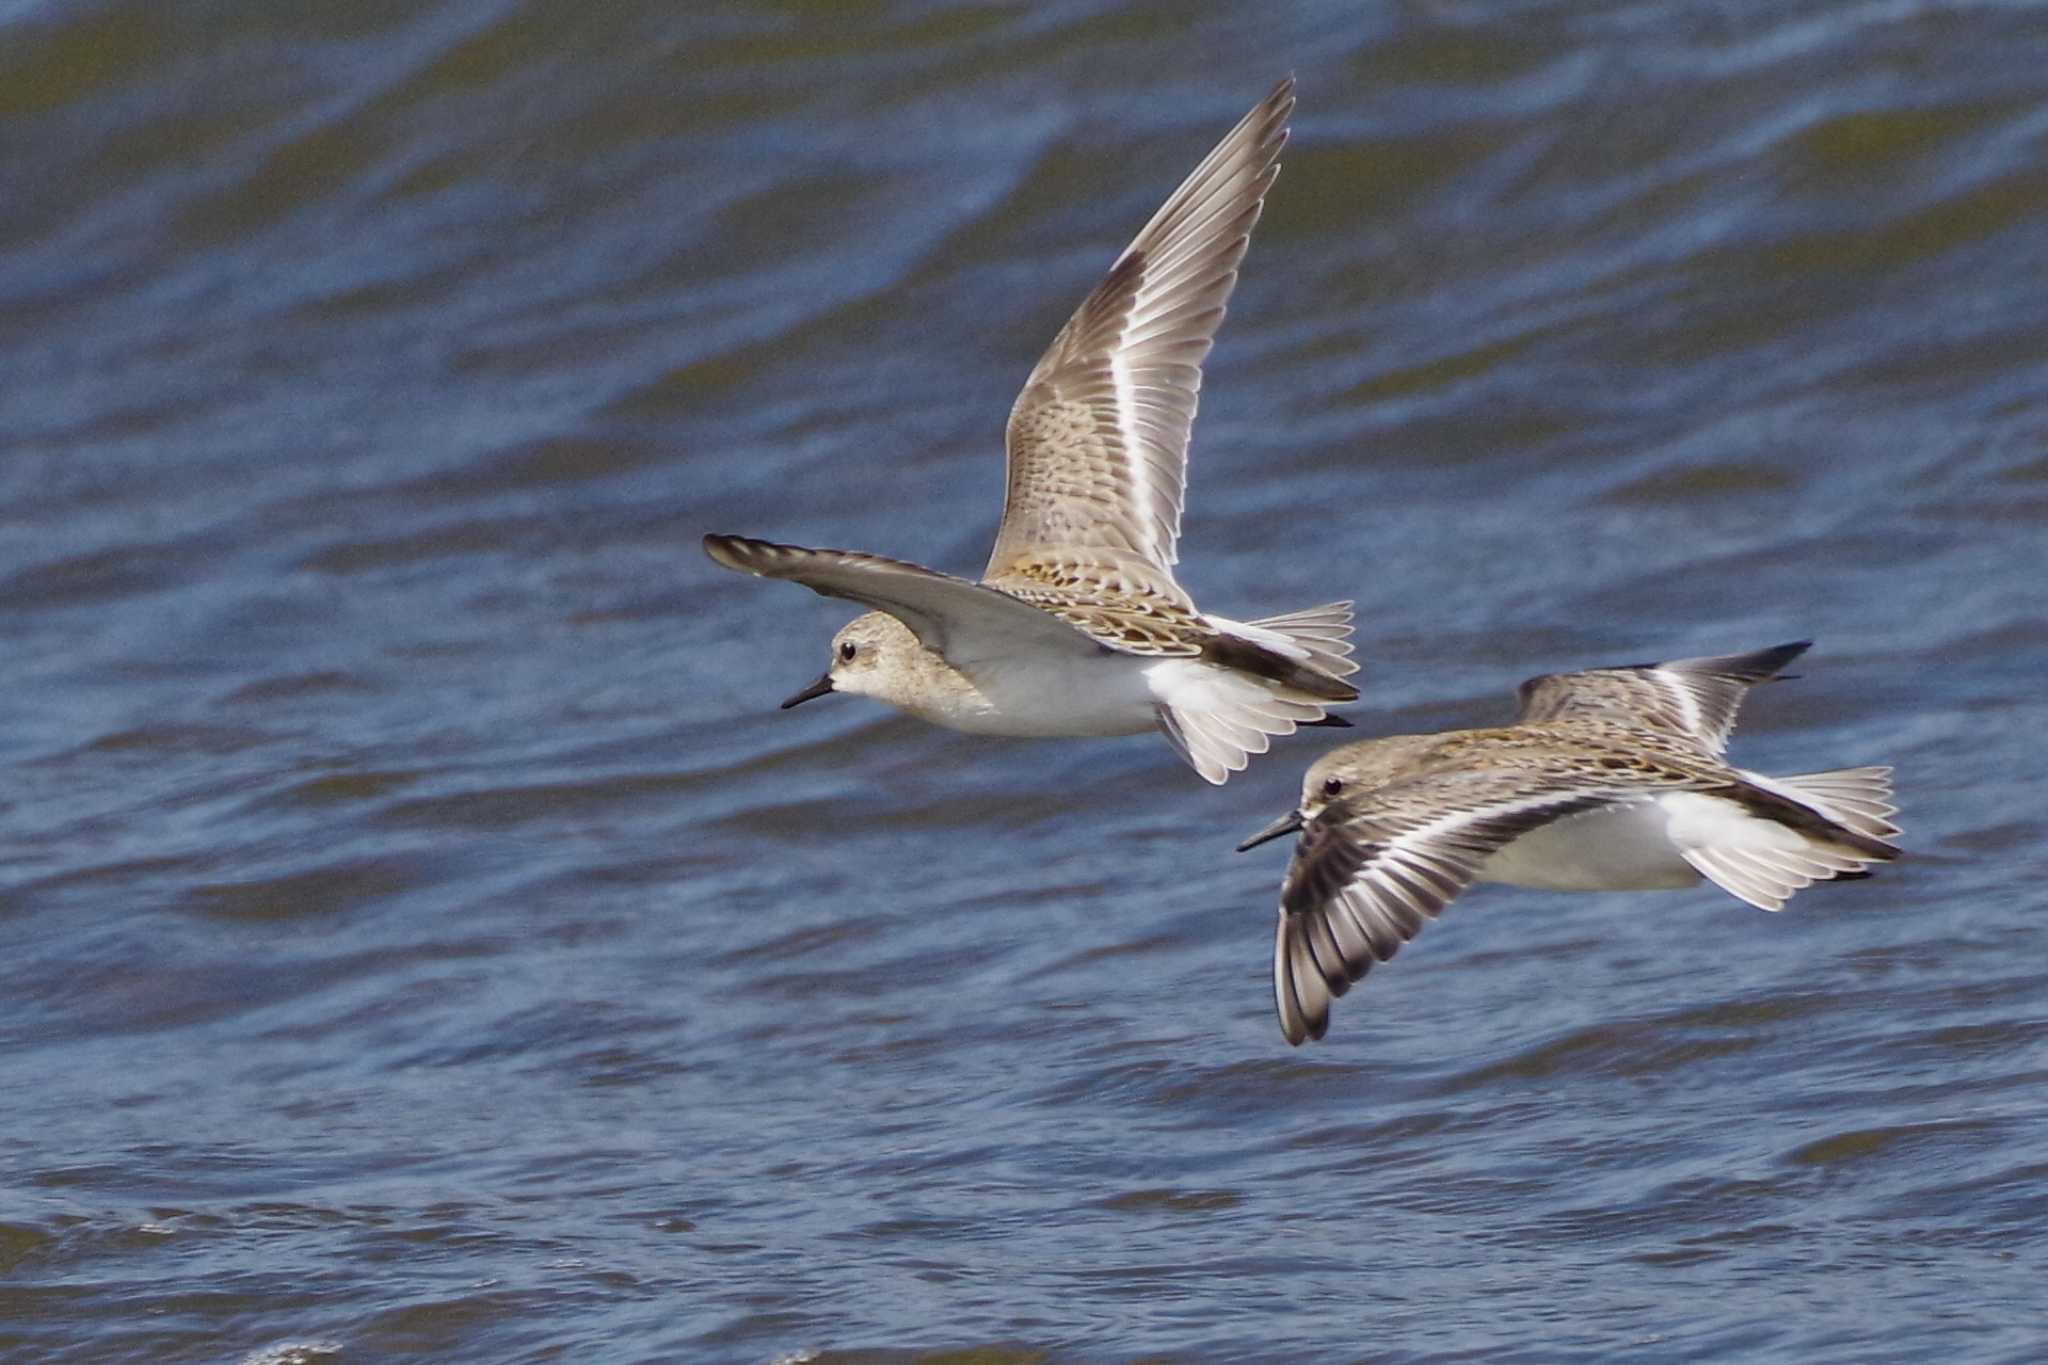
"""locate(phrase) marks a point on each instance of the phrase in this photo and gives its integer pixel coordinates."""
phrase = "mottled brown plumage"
(1610, 779)
(1097, 468)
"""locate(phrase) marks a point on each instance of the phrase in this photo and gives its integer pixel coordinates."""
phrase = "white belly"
(1056, 699)
(1618, 848)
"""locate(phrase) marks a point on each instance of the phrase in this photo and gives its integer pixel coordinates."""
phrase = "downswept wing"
(1097, 441)
(1696, 698)
(966, 623)
(1370, 872)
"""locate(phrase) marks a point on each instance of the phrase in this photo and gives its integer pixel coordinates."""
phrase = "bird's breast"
(1068, 697)
(1614, 848)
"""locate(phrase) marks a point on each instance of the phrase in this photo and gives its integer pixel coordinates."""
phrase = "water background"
(421, 937)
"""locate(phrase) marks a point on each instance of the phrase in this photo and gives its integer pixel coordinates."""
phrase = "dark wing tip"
(1777, 656)
(1274, 114)
(1280, 98)
(1301, 998)
(1758, 666)
(741, 554)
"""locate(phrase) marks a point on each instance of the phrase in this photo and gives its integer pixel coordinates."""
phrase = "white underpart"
(1226, 716)
(1614, 848)
(1747, 855)
(1048, 698)
(1672, 840)
(1756, 858)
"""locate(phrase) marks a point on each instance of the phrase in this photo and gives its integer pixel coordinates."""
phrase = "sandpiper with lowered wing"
(1611, 779)
(1077, 626)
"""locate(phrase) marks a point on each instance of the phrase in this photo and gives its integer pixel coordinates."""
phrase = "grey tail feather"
(1246, 656)
(1322, 632)
(1814, 824)
(1860, 798)
(1330, 719)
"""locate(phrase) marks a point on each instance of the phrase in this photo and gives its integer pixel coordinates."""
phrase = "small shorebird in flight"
(1609, 780)
(1077, 626)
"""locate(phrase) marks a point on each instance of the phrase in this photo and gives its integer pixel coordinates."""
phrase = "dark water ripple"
(420, 937)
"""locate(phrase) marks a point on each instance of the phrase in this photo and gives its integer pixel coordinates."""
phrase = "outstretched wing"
(965, 622)
(1098, 439)
(1697, 698)
(1368, 875)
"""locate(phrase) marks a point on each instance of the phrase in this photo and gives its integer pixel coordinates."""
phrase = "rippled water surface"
(421, 937)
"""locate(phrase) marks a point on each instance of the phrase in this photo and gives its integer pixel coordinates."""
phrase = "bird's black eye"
(1333, 786)
(846, 651)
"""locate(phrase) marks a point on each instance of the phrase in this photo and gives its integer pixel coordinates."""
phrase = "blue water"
(421, 936)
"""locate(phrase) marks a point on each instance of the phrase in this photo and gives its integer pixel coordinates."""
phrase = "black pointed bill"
(1286, 824)
(816, 689)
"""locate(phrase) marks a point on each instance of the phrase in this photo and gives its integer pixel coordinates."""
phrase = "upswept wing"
(1697, 698)
(1097, 440)
(1119, 599)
